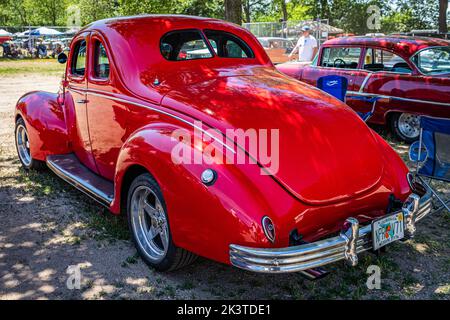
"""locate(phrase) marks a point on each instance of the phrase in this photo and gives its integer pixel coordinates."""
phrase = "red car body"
(332, 166)
(404, 91)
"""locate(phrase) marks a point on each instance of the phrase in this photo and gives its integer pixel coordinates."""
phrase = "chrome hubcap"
(408, 125)
(23, 145)
(149, 223)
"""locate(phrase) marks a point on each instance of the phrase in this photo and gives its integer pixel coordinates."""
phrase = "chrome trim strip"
(365, 94)
(346, 246)
(366, 79)
(87, 189)
(103, 95)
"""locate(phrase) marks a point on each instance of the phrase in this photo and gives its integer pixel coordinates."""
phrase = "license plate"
(387, 229)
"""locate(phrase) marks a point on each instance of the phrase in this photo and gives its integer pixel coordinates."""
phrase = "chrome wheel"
(408, 125)
(149, 223)
(23, 145)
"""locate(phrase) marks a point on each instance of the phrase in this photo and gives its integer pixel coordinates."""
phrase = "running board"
(71, 170)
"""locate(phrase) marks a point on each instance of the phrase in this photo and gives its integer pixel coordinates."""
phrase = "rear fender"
(203, 219)
(44, 118)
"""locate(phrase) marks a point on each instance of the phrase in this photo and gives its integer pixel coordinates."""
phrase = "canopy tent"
(22, 34)
(317, 25)
(4, 33)
(4, 36)
(44, 31)
(72, 31)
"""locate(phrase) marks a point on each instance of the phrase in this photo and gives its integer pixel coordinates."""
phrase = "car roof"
(168, 19)
(405, 44)
(135, 41)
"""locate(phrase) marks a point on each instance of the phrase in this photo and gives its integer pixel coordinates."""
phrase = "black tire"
(394, 127)
(175, 257)
(32, 164)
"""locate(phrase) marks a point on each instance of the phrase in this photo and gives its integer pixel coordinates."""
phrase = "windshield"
(433, 60)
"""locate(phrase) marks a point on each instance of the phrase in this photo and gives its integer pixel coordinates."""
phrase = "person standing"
(306, 46)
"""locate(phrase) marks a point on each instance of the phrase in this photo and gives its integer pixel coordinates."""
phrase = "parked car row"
(138, 93)
(411, 76)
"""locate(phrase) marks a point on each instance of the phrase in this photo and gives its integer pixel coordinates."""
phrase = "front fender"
(44, 118)
(204, 220)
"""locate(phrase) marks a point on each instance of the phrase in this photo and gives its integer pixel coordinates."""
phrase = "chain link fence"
(320, 29)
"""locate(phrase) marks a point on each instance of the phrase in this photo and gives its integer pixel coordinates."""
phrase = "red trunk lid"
(326, 153)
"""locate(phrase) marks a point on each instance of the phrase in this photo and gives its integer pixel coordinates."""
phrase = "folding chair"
(369, 99)
(431, 153)
(334, 85)
(337, 87)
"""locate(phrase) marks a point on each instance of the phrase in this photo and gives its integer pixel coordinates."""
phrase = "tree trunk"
(247, 10)
(443, 6)
(284, 10)
(233, 11)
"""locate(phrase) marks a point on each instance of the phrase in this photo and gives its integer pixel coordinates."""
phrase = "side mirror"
(62, 58)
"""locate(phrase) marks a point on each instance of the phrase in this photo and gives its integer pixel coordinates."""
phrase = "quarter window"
(101, 62)
(345, 58)
(433, 60)
(184, 45)
(227, 45)
(78, 65)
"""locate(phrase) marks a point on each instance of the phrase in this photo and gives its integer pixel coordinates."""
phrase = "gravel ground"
(48, 226)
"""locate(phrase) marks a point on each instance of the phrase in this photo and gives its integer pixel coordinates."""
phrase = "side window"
(227, 45)
(78, 64)
(382, 60)
(184, 45)
(101, 62)
(345, 58)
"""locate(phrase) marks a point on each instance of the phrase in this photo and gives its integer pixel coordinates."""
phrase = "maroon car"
(409, 76)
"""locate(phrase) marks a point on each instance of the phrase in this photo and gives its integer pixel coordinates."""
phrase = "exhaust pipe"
(314, 274)
(295, 239)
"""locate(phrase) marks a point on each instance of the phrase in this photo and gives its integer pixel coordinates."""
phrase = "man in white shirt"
(306, 46)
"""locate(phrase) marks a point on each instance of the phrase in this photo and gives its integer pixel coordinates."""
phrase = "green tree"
(233, 11)
(92, 10)
(443, 7)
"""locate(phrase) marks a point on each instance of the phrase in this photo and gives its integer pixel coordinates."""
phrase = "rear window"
(228, 45)
(184, 45)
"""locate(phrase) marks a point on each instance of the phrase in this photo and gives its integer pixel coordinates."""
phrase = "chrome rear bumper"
(351, 241)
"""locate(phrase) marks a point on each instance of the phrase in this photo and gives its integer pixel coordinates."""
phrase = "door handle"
(82, 101)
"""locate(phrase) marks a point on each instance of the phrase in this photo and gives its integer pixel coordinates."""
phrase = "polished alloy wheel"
(149, 223)
(23, 145)
(408, 125)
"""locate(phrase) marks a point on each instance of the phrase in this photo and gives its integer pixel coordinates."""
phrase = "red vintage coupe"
(409, 75)
(132, 83)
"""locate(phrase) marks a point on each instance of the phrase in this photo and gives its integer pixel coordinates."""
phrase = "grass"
(27, 66)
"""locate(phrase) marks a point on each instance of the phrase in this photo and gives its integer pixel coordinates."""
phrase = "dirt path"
(47, 226)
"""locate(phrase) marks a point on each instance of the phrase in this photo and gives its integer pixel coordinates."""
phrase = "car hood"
(326, 152)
